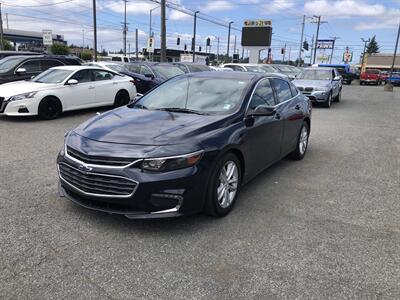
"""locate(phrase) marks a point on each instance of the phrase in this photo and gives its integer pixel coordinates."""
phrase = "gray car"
(321, 85)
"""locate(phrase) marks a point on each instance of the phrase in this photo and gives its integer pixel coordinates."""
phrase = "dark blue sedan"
(185, 147)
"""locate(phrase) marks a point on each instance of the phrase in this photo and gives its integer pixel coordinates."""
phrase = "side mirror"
(20, 71)
(72, 82)
(263, 111)
(148, 75)
(337, 78)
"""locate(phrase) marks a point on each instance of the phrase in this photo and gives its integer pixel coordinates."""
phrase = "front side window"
(144, 70)
(203, 95)
(263, 95)
(31, 66)
(282, 89)
(82, 76)
(100, 75)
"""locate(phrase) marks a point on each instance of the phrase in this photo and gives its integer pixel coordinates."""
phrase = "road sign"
(47, 37)
(150, 45)
(347, 56)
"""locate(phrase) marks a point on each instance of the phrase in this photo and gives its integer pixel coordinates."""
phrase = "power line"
(40, 5)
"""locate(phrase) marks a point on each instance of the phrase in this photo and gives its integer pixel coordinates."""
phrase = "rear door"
(263, 133)
(106, 86)
(290, 111)
(32, 67)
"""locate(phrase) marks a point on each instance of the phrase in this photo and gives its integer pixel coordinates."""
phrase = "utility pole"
(95, 30)
(125, 27)
(217, 48)
(163, 52)
(301, 40)
(283, 54)
(1, 30)
(365, 46)
(137, 44)
(234, 46)
(333, 47)
(7, 19)
(290, 52)
(194, 34)
(389, 86)
(83, 38)
(229, 39)
(129, 50)
(312, 49)
(319, 22)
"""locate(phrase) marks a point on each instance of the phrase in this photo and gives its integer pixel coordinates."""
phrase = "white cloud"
(132, 7)
(277, 6)
(176, 15)
(217, 5)
(387, 21)
(343, 8)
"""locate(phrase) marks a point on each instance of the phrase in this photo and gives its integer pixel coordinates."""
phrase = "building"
(381, 61)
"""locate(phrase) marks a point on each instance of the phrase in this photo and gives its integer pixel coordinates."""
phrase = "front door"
(80, 95)
(263, 135)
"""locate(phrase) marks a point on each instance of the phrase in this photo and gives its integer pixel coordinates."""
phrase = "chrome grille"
(99, 160)
(94, 184)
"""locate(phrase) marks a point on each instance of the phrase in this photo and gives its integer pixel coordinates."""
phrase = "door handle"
(91, 87)
(297, 107)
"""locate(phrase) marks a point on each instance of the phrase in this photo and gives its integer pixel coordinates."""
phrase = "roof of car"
(41, 56)
(74, 68)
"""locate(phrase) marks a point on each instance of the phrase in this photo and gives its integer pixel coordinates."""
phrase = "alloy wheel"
(303, 141)
(227, 184)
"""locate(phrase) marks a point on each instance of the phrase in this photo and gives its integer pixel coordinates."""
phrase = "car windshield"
(316, 74)
(255, 69)
(196, 95)
(52, 76)
(9, 62)
(167, 71)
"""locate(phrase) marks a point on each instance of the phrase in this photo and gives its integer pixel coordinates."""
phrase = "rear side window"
(282, 89)
(263, 95)
(100, 75)
(133, 68)
(49, 63)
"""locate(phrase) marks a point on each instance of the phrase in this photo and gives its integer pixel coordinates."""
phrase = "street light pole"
(95, 30)
(194, 34)
(229, 39)
(365, 46)
(301, 40)
(389, 86)
(163, 50)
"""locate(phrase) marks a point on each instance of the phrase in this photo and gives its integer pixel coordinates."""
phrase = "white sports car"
(65, 88)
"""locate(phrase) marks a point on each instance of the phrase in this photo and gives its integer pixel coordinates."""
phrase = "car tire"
(222, 192)
(328, 102)
(338, 97)
(121, 98)
(49, 108)
(302, 143)
(361, 83)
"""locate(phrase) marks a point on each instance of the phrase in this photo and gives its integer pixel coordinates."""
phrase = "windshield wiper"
(182, 110)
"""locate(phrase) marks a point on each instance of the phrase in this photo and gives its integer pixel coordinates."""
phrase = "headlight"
(22, 96)
(165, 164)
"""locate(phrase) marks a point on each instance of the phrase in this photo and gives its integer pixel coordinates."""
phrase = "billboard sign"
(256, 33)
(47, 37)
(325, 44)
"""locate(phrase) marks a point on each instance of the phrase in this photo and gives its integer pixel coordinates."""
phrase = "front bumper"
(26, 107)
(157, 195)
(317, 96)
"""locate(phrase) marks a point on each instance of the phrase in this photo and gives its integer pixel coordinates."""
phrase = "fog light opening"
(23, 109)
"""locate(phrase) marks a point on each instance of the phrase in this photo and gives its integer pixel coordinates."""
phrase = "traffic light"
(208, 42)
(305, 45)
(185, 47)
(178, 41)
(283, 51)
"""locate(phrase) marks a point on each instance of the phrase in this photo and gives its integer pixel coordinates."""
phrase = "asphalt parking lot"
(324, 227)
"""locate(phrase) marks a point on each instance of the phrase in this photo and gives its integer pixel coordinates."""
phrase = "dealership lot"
(327, 226)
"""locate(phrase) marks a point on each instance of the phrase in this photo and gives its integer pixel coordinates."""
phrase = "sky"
(347, 20)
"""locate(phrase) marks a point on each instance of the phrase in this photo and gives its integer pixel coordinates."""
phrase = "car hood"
(133, 126)
(21, 87)
(311, 83)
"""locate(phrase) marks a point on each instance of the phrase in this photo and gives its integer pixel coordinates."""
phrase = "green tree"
(372, 46)
(86, 55)
(7, 45)
(59, 49)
